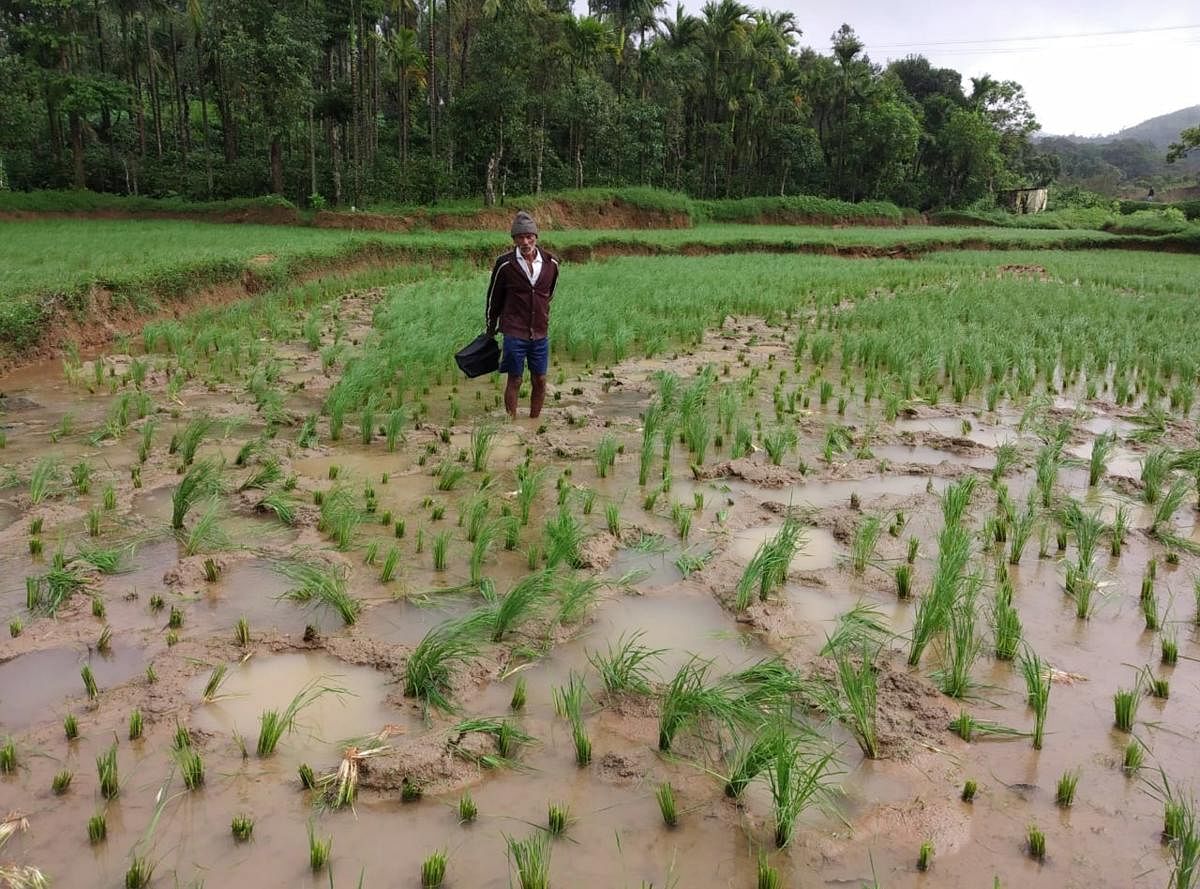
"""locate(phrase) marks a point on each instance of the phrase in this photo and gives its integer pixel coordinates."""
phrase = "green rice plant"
(213, 686)
(175, 618)
(322, 585)
(558, 816)
(1134, 756)
(61, 782)
(626, 667)
(1006, 627)
(1125, 706)
(429, 672)
(1165, 508)
(778, 442)
(1149, 605)
(914, 546)
(961, 650)
(89, 682)
(206, 533)
(81, 477)
(688, 699)
(388, 572)
(106, 769)
(1102, 447)
(147, 439)
(15, 626)
(135, 724)
(688, 563)
(8, 757)
(970, 788)
(606, 454)
(524, 601)
(70, 727)
(449, 474)
(934, 609)
(1021, 527)
(307, 779)
(767, 569)
(1007, 455)
(1036, 841)
(248, 450)
(1065, 794)
(241, 632)
(433, 869)
(956, 500)
(97, 828)
(267, 473)
(865, 540)
(200, 482)
(468, 811)
(666, 804)
(1170, 650)
(109, 498)
(564, 535)
(106, 560)
(519, 695)
(581, 742)
(274, 724)
(483, 543)
(140, 873)
(45, 474)
(482, 438)
(969, 728)
(767, 877)
(242, 827)
(1036, 674)
(188, 441)
(318, 850)
(1155, 468)
(191, 767)
(531, 858)
(859, 686)
(529, 483)
(798, 778)
(925, 857)
(35, 547)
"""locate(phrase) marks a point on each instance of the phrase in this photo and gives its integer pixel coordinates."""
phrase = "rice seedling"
(206, 533)
(913, 548)
(61, 782)
(865, 540)
(213, 686)
(267, 473)
(1036, 674)
(687, 699)
(188, 441)
(1170, 650)
(524, 601)
(106, 769)
(307, 779)
(858, 684)
(449, 474)
(441, 545)
(429, 671)
(70, 727)
(606, 454)
(468, 811)
(767, 569)
(8, 757)
(558, 816)
(433, 869)
(45, 474)
(89, 682)
(191, 767)
(1036, 841)
(200, 482)
(1125, 706)
(318, 850)
(1133, 757)
(35, 546)
(970, 788)
(109, 498)
(274, 724)
(778, 442)
(141, 871)
(798, 778)
(564, 535)
(1102, 447)
(1158, 686)
(97, 828)
(934, 609)
(519, 695)
(666, 804)
(626, 667)
(241, 632)
(322, 585)
(93, 519)
(1064, 795)
(175, 618)
(15, 626)
(1021, 527)
(925, 857)
(242, 827)
(529, 483)
(689, 563)
(1155, 468)
(1149, 605)
(81, 477)
(531, 858)
(135, 724)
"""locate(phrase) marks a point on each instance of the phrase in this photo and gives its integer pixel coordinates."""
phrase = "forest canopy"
(367, 102)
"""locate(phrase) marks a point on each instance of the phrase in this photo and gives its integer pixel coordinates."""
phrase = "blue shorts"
(517, 351)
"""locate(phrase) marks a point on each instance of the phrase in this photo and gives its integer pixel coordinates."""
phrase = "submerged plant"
(625, 668)
(531, 858)
(430, 668)
(433, 870)
(274, 724)
(324, 585)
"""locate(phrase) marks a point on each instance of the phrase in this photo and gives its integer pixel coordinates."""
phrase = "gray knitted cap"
(523, 224)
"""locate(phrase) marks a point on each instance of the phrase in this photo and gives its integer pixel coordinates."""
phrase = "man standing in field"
(518, 305)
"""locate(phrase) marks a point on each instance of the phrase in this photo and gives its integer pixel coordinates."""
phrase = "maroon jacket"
(514, 306)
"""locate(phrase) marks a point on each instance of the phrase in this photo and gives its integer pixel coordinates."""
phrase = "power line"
(1121, 32)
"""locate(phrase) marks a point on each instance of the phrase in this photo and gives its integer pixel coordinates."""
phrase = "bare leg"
(538, 395)
(510, 395)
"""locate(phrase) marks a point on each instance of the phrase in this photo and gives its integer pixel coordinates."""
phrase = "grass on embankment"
(85, 270)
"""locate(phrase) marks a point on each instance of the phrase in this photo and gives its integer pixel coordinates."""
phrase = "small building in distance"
(1024, 200)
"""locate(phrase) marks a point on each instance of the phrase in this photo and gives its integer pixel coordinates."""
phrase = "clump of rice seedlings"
(15, 626)
(8, 757)
(558, 816)
(1156, 466)
(934, 608)
(35, 546)
(106, 769)
(267, 473)
(156, 603)
(525, 600)
(191, 767)
(97, 828)
(242, 827)
(1158, 686)
(529, 483)
(688, 563)
(1006, 455)
(61, 782)
(969, 790)
(433, 870)
(666, 804)
(1134, 756)
(449, 474)
(519, 695)
(1036, 673)
(767, 569)
(89, 681)
(44, 474)
(93, 519)
(1046, 472)
(687, 699)
(388, 572)
(213, 686)
(141, 871)
(106, 560)
(206, 533)
(175, 618)
(798, 778)
(211, 571)
(441, 545)
(1102, 448)
(467, 809)
(1021, 527)
(531, 858)
(186, 443)
(1170, 650)
(200, 482)
(135, 724)
(969, 728)
(564, 536)
(1125, 706)
(858, 683)
(318, 850)
(778, 442)
(307, 779)
(1118, 531)
(1006, 624)
(484, 539)
(322, 585)
(274, 724)
(71, 726)
(1149, 605)
(749, 759)
(1036, 840)
(241, 632)
(767, 877)
(1065, 794)
(109, 498)
(606, 454)
(866, 538)
(914, 546)
(960, 651)
(626, 668)
(429, 671)
(925, 856)
(612, 519)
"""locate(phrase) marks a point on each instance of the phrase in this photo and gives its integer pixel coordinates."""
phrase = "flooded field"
(858, 623)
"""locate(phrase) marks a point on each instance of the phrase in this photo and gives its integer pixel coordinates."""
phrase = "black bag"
(480, 356)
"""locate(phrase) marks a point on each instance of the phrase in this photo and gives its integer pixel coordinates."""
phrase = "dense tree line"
(349, 101)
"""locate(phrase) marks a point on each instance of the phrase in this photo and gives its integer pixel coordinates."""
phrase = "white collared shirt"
(524, 266)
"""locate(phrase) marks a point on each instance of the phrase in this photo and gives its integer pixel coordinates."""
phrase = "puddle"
(33, 686)
(819, 550)
(270, 682)
(1121, 461)
(9, 513)
(1100, 425)
(837, 493)
(407, 623)
(657, 566)
(988, 436)
(928, 456)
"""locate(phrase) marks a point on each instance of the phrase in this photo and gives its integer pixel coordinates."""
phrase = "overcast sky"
(1085, 85)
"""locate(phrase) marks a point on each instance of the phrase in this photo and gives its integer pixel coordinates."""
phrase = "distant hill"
(1159, 131)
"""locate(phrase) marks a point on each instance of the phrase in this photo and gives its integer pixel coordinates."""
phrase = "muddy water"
(884, 811)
